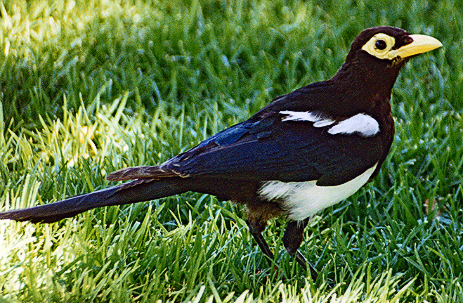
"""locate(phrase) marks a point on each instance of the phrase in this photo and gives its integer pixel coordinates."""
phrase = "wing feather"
(272, 149)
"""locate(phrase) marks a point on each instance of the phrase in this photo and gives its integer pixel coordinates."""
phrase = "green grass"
(89, 87)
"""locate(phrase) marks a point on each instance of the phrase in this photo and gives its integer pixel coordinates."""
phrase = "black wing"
(267, 148)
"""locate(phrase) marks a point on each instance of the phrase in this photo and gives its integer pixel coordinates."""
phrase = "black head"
(371, 68)
(390, 44)
(377, 54)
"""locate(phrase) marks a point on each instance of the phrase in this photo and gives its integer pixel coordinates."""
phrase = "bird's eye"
(380, 44)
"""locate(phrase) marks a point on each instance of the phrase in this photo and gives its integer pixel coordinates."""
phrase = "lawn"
(88, 87)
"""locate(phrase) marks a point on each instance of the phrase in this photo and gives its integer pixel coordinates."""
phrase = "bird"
(303, 152)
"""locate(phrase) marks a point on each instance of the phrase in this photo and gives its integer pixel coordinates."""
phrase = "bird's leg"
(256, 229)
(292, 240)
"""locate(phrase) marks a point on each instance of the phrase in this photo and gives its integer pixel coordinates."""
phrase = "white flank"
(305, 199)
(319, 120)
(362, 124)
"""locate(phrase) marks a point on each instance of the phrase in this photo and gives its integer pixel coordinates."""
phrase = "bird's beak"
(421, 44)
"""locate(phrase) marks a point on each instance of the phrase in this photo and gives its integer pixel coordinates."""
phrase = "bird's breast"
(304, 199)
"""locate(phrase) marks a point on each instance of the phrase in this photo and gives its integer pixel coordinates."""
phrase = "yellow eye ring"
(380, 46)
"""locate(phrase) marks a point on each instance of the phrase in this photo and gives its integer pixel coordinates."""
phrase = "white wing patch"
(362, 124)
(319, 120)
(305, 199)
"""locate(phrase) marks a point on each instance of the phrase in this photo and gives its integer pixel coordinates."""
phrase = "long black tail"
(132, 192)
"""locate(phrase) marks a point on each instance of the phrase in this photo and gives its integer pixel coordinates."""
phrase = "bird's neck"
(369, 88)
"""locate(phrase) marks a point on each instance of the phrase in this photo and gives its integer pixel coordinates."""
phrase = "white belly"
(305, 199)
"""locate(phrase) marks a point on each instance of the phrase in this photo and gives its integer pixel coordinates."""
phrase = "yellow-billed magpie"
(303, 152)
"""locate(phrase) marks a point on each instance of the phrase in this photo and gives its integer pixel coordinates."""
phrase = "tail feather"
(132, 192)
(140, 172)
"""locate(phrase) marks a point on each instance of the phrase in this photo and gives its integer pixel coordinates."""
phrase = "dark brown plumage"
(303, 152)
